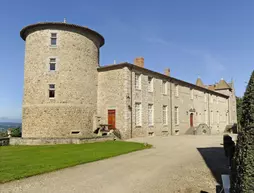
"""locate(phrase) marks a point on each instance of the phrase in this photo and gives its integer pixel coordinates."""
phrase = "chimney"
(167, 72)
(139, 61)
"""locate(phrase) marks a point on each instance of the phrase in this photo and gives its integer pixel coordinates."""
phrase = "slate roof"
(25, 31)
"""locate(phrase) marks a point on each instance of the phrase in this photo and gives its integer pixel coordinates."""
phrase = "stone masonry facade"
(85, 92)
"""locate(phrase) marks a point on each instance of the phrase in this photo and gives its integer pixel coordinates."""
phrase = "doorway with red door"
(191, 120)
(112, 118)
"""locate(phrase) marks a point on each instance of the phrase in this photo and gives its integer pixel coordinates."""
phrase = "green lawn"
(22, 161)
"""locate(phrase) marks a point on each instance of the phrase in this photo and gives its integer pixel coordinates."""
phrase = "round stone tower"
(60, 80)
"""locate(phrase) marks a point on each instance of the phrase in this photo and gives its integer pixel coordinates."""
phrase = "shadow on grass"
(216, 161)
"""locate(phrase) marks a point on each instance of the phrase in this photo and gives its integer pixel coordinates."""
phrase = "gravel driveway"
(190, 164)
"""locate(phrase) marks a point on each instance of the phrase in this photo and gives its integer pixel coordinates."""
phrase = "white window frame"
(150, 115)
(138, 81)
(53, 36)
(211, 98)
(164, 87)
(52, 62)
(165, 115)
(52, 87)
(138, 107)
(192, 93)
(205, 97)
(176, 90)
(176, 113)
(218, 117)
(150, 84)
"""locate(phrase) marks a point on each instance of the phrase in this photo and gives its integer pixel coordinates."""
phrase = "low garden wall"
(52, 141)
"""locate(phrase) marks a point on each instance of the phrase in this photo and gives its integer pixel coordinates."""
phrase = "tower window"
(51, 91)
(53, 39)
(52, 64)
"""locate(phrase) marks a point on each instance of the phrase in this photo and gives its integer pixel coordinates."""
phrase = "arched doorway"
(191, 120)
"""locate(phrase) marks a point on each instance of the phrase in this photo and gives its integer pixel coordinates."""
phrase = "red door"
(191, 120)
(112, 119)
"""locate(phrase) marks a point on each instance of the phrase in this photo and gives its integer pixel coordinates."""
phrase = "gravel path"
(188, 164)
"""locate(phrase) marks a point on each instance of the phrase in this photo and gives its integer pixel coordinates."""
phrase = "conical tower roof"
(222, 85)
(199, 83)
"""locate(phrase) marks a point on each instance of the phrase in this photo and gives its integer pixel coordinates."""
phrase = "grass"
(17, 162)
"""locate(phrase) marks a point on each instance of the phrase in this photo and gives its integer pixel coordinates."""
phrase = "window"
(211, 98)
(51, 91)
(164, 87)
(150, 114)
(218, 117)
(53, 39)
(206, 117)
(176, 90)
(176, 116)
(138, 81)
(150, 84)
(52, 64)
(205, 97)
(138, 114)
(165, 114)
(191, 93)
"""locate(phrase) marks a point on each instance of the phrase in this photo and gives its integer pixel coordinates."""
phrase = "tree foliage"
(239, 101)
(242, 173)
(16, 132)
(247, 118)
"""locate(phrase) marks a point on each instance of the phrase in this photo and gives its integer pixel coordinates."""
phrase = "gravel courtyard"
(175, 164)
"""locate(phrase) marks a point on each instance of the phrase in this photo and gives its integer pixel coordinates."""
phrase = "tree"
(242, 172)
(239, 101)
(247, 118)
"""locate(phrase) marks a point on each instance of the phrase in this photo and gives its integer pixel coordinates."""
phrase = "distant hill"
(5, 125)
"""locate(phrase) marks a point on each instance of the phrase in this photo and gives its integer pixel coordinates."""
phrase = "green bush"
(3, 134)
(16, 132)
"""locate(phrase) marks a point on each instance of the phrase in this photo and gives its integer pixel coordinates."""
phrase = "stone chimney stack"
(139, 61)
(167, 72)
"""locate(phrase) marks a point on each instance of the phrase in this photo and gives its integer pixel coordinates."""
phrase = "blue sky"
(211, 39)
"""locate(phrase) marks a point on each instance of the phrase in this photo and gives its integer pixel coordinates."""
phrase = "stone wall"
(112, 94)
(183, 101)
(75, 79)
(4, 141)
(52, 141)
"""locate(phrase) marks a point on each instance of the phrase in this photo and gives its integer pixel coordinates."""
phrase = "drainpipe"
(209, 112)
(131, 100)
(171, 107)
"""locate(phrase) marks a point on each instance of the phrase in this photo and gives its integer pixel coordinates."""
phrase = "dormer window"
(53, 39)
